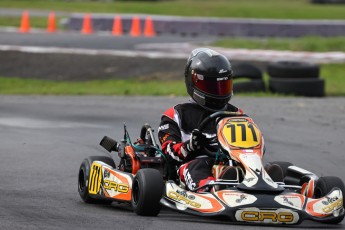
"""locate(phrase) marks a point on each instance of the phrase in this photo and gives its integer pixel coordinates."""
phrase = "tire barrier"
(309, 87)
(295, 78)
(293, 69)
(244, 70)
(257, 85)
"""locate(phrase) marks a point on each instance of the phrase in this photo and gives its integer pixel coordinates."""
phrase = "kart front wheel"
(83, 179)
(323, 186)
(147, 191)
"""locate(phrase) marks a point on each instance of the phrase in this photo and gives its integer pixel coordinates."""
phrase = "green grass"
(35, 22)
(332, 73)
(10, 85)
(312, 43)
(280, 9)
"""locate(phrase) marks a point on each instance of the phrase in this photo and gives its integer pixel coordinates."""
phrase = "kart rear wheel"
(323, 186)
(147, 191)
(83, 178)
(284, 165)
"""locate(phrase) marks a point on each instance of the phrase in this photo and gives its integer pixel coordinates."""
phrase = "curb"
(198, 26)
(183, 52)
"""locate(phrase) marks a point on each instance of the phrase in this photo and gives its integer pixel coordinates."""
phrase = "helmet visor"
(221, 86)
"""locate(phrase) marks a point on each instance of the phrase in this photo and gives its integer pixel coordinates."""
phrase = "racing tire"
(292, 69)
(83, 178)
(246, 70)
(147, 191)
(323, 186)
(309, 87)
(284, 165)
(275, 172)
(249, 86)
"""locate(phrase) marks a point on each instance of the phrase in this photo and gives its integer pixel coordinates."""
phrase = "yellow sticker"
(95, 178)
(241, 134)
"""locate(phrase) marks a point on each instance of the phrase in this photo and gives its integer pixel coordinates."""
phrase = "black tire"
(309, 87)
(246, 70)
(249, 86)
(147, 191)
(83, 178)
(283, 165)
(290, 69)
(323, 186)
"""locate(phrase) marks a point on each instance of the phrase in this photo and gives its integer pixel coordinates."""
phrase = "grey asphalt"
(98, 41)
(43, 140)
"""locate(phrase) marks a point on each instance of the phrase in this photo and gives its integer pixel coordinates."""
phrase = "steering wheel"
(208, 119)
(149, 145)
(145, 134)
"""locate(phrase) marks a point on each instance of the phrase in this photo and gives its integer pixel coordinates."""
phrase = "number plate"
(241, 133)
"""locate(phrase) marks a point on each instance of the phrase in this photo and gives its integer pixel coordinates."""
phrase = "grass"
(35, 22)
(310, 43)
(332, 73)
(10, 85)
(274, 9)
(279, 9)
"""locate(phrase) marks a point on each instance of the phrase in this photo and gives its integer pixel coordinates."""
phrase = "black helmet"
(208, 77)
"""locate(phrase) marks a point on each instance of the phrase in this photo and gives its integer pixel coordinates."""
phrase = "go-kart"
(244, 190)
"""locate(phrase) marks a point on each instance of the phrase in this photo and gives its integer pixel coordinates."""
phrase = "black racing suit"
(177, 124)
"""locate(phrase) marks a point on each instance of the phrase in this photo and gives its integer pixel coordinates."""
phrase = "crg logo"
(122, 188)
(178, 197)
(266, 216)
(335, 205)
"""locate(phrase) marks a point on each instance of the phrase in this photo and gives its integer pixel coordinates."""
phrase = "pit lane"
(43, 140)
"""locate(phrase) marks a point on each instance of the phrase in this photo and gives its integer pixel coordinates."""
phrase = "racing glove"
(196, 142)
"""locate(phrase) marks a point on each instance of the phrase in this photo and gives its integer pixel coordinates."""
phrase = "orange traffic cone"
(25, 23)
(149, 30)
(117, 26)
(135, 29)
(87, 25)
(51, 28)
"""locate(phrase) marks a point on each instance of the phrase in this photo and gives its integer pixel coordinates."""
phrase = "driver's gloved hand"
(196, 142)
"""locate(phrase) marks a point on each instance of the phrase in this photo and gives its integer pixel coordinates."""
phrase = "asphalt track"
(43, 140)
(99, 41)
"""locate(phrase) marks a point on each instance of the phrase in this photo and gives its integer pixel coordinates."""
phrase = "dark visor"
(221, 86)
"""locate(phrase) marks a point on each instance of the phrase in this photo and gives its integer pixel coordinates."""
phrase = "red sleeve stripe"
(170, 113)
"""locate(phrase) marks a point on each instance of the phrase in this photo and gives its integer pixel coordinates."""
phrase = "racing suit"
(177, 124)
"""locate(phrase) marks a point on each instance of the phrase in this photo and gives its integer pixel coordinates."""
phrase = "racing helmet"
(208, 78)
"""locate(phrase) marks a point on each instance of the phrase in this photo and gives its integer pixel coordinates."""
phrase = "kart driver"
(208, 79)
